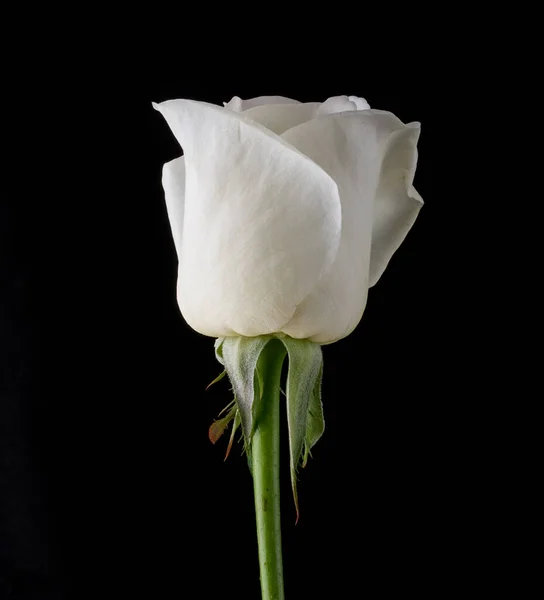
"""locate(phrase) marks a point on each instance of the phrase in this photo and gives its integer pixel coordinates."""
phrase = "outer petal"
(351, 147)
(173, 182)
(239, 105)
(261, 224)
(397, 201)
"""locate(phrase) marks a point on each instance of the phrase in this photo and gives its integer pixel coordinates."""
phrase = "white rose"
(284, 213)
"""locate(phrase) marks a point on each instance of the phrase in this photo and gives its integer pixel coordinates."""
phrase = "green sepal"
(235, 426)
(218, 378)
(217, 428)
(303, 398)
(315, 426)
(218, 350)
(240, 356)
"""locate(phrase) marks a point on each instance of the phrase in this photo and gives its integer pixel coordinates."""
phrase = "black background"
(109, 485)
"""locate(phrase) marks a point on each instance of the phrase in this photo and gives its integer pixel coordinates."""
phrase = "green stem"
(265, 452)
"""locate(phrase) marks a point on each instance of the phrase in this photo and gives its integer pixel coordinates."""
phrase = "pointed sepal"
(217, 379)
(240, 356)
(303, 396)
(315, 425)
(235, 426)
(218, 427)
(218, 350)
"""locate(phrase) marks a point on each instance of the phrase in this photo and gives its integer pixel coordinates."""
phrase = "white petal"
(397, 201)
(173, 182)
(281, 117)
(350, 146)
(261, 224)
(360, 103)
(239, 105)
(338, 104)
